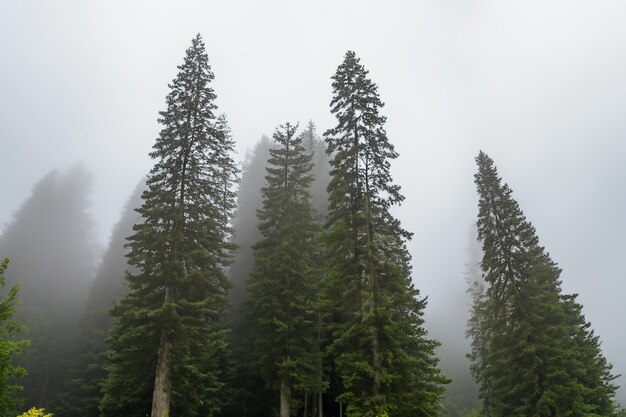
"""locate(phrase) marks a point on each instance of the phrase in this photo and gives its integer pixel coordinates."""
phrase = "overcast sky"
(540, 86)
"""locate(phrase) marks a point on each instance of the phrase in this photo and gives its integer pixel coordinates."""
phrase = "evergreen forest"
(282, 286)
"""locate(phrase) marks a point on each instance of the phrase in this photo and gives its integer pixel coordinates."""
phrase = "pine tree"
(9, 347)
(283, 281)
(167, 341)
(379, 347)
(532, 353)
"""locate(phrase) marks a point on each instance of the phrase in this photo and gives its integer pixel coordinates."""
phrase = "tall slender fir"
(167, 341)
(533, 353)
(379, 349)
(283, 284)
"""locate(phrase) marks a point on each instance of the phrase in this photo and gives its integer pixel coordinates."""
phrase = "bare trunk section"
(163, 378)
(306, 404)
(285, 399)
(44, 390)
(320, 404)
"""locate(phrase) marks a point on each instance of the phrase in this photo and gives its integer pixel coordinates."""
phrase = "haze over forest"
(540, 87)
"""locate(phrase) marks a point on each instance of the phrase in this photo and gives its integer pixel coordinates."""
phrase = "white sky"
(540, 86)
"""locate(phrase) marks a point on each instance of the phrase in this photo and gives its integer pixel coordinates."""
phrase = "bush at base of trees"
(35, 412)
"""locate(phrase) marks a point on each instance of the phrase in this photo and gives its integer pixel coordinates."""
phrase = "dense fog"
(539, 87)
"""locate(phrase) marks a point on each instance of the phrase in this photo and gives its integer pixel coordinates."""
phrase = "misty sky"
(540, 86)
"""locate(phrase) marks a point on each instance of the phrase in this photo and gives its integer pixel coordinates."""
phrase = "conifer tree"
(245, 391)
(167, 341)
(245, 230)
(379, 348)
(321, 170)
(9, 347)
(82, 392)
(283, 282)
(532, 351)
(54, 278)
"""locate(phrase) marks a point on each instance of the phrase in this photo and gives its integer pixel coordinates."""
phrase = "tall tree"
(245, 221)
(283, 283)
(246, 393)
(532, 351)
(321, 170)
(9, 347)
(81, 394)
(167, 341)
(53, 255)
(384, 360)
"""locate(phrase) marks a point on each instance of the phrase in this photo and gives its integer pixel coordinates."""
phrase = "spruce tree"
(379, 349)
(283, 282)
(167, 341)
(532, 351)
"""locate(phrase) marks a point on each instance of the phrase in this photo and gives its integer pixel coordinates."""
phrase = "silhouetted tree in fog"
(52, 249)
(82, 392)
(461, 396)
(284, 282)
(245, 231)
(321, 170)
(248, 393)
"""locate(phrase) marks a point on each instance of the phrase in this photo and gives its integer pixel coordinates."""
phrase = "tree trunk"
(44, 389)
(306, 404)
(320, 405)
(163, 377)
(285, 399)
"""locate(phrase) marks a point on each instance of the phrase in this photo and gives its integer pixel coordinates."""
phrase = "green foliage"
(245, 392)
(284, 282)
(378, 345)
(9, 328)
(533, 353)
(180, 252)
